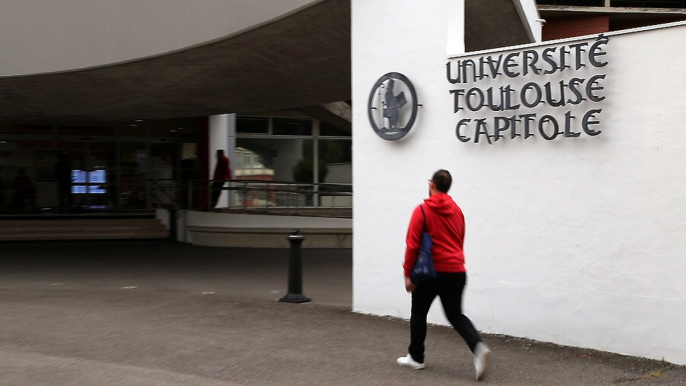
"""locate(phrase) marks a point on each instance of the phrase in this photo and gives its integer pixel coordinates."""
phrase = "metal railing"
(250, 195)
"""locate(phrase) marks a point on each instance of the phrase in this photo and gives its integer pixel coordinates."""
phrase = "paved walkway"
(164, 314)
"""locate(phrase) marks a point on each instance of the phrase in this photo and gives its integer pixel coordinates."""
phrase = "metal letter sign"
(391, 110)
(556, 93)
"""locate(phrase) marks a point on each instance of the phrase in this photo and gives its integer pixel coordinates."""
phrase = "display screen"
(92, 182)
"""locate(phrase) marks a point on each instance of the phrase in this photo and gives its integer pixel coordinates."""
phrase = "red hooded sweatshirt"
(222, 171)
(445, 224)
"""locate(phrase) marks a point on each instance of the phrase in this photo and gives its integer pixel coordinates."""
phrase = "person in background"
(222, 173)
(445, 224)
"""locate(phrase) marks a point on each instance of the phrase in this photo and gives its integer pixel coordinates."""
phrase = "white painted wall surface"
(455, 27)
(528, 11)
(229, 220)
(577, 241)
(189, 218)
(38, 36)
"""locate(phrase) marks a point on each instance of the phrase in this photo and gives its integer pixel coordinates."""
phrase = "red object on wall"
(570, 26)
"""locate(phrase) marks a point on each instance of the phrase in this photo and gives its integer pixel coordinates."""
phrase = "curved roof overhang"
(300, 60)
(494, 24)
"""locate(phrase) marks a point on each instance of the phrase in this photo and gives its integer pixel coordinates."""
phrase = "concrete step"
(87, 229)
(86, 236)
(76, 230)
(269, 237)
(9, 224)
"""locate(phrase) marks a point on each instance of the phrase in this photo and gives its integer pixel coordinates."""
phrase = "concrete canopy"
(297, 61)
(494, 24)
(300, 60)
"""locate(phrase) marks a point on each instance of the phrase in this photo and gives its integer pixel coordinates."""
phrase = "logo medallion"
(392, 106)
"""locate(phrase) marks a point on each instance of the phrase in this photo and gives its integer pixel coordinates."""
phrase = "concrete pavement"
(163, 314)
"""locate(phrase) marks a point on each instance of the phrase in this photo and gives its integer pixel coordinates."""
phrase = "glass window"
(650, 4)
(134, 161)
(189, 151)
(326, 129)
(292, 126)
(252, 125)
(577, 3)
(277, 159)
(255, 161)
(335, 161)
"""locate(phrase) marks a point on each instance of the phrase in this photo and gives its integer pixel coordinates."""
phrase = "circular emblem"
(392, 106)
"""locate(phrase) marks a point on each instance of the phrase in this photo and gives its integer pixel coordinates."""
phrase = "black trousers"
(449, 287)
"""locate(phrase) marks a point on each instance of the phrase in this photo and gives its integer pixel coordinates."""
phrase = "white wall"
(189, 218)
(528, 11)
(576, 241)
(46, 36)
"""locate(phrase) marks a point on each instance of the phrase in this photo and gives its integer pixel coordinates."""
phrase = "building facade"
(566, 155)
(568, 18)
(567, 160)
(134, 102)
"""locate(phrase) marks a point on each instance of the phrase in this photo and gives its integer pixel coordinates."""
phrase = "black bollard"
(295, 277)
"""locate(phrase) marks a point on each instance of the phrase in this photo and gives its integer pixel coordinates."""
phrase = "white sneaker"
(482, 360)
(411, 363)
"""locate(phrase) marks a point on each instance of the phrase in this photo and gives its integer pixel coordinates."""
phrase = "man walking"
(222, 173)
(445, 224)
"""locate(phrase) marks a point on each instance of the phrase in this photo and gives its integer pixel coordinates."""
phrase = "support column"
(456, 22)
(315, 162)
(222, 131)
(231, 153)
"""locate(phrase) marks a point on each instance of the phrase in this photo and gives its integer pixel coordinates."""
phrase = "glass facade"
(86, 167)
(141, 165)
(287, 151)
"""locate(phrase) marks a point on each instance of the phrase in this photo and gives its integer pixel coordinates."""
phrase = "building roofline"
(611, 10)
(566, 40)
